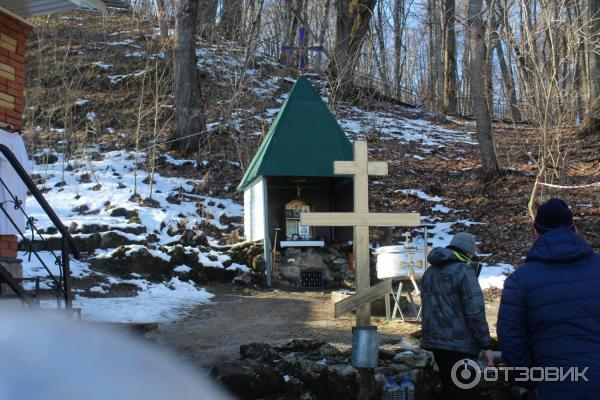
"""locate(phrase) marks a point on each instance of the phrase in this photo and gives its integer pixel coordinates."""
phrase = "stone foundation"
(332, 262)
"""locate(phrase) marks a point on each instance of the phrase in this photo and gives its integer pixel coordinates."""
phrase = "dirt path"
(214, 332)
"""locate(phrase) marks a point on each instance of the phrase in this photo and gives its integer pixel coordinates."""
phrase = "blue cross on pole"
(302, 49)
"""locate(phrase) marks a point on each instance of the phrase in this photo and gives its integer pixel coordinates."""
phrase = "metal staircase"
(61, 284)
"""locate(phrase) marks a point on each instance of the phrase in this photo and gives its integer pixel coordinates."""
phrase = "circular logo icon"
(465, 374)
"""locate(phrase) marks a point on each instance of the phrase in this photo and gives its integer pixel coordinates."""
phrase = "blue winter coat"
(550, 313)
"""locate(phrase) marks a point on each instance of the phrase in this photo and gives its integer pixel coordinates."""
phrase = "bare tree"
(438, 59)
(506, 71)
(189, 105)
(435, 89)
(207, 16)
(159, 124)
(479, 90)
(231, 19)
(399, 26)
(323, 29)
(161, 15)
(450, 75)
(381, 54)
(593, 120)
(293, 14)
(352, 25)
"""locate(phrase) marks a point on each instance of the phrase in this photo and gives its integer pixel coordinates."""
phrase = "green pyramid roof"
(304, 140)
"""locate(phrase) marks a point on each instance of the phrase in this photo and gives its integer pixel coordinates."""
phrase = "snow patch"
(420, 194)
(493, 276)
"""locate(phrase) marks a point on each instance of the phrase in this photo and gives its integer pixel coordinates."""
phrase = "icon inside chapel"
(294, 230)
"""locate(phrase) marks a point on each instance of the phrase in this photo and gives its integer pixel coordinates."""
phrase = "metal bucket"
(365, 347)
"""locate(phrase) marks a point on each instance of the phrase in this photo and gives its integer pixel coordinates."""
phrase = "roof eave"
(17, 17)
(25, 9)
(247, 184)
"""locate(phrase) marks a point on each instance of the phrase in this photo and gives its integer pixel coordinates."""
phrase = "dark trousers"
(445, 360)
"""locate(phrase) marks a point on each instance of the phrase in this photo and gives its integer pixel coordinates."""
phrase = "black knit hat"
(553, 214)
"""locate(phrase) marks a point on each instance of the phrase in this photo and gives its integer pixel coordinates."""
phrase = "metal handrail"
(37, 194)
(68, 244)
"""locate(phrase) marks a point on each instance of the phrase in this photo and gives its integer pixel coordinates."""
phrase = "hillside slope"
(99, 122)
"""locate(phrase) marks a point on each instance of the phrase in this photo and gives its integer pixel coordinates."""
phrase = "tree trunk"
(352, 25)
(431, 84)
(507, 79)
(382, 60)
(593, 120)
(231, 19)
(524, 62)
(161, 15)
(450, 101)
(579, 66)
(438, 61)
(207, 15)
(323, 31)
(489, 162)
(466, 105)
(398, 34)
(189, 105)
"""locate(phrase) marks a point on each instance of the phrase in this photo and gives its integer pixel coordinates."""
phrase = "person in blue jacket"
(550, 310)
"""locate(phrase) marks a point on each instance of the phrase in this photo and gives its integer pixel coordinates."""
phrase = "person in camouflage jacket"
(454, 324)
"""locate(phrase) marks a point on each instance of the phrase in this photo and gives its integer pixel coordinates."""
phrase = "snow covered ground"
(85, 192)
(395, 127)
(99, 186)
(155, 301)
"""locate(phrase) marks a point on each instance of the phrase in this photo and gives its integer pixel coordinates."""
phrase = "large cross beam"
(361, 219)
(360, 168)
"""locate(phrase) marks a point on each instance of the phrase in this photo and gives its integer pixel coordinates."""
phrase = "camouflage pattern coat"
(453, 305)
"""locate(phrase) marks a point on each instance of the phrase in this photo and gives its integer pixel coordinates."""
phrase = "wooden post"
(361, 249)
(361, 233)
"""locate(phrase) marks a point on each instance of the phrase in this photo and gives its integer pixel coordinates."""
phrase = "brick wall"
(8, 246)
(13, 36)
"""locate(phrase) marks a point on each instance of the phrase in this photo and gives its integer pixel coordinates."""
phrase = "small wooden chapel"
(292, 172)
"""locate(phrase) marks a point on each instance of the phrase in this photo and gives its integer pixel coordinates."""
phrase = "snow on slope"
(92, 202)
(116, 177)
(155, 301)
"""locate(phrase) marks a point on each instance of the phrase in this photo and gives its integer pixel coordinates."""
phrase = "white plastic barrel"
(400, 261)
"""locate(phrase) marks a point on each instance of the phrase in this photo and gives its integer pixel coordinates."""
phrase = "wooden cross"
(361, 219)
